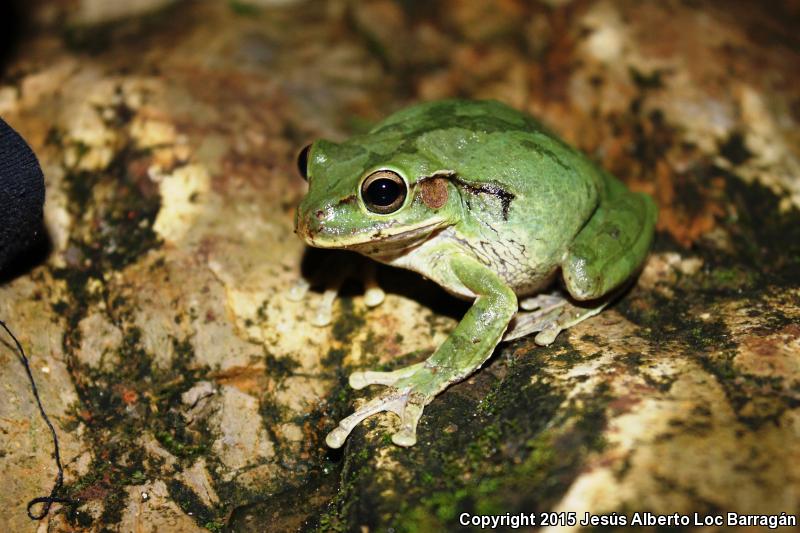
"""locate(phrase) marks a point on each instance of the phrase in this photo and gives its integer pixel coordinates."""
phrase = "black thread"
(47, 501)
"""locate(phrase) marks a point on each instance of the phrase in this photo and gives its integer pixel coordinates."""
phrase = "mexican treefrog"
(485, 201)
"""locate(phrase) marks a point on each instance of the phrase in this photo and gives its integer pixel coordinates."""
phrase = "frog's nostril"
(320, 214)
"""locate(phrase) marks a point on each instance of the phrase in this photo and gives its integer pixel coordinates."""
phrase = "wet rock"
(157, 452)
(197, 478)
(26, 460)
(241, 440)
(150, 509)
(201, 391)
(100, 341)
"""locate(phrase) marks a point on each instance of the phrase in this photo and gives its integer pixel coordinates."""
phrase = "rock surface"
(190, 393)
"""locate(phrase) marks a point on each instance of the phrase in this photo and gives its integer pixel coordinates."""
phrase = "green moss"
(243, 9)
(279, 368)
(116, 414)
(571, 356)
(261, 312)
(119, 407)
(334, 358)
(645, 81)
(369, 347)
(334, 516)
(751, 274)
(114, 211)
(79, 518)
(113, 506)
(177, 445)
(348, 322)
(766, 238)
(117, 228)
(110, 233)
(728, 278)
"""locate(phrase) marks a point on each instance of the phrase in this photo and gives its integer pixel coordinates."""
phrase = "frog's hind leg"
(611, 247)
(547, 315)
(605, 253)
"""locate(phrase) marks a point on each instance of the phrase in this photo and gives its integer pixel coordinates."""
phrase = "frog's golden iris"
(384, 192)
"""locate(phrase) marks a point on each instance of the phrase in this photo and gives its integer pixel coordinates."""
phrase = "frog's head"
(371, 196)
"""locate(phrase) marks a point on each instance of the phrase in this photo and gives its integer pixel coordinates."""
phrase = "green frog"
(491, 205)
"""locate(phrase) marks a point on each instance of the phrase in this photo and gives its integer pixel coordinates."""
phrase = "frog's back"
(524, 187)
(486, 141)
(475, 115)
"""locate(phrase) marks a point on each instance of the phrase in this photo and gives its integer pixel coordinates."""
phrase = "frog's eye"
(302, 161)
(384, 192)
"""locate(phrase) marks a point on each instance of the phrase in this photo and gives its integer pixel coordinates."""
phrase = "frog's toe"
(393, 401)
(402, 402)
(542, 302)
(547, 335)
(410, 390)
(324, 313)
(374, 296)
(547, 322)
(525, 323)
(407, 436)
(361, 379)
(298, 291)
(553, 314)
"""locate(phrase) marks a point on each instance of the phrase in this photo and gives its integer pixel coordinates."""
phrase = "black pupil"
(383, 192)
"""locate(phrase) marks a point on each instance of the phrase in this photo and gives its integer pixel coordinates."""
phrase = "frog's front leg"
(464, 351)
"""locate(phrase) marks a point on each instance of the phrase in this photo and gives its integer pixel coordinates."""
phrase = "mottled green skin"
(520, 205)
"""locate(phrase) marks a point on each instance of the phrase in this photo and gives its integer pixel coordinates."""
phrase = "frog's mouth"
(382, 241)
(389, 244)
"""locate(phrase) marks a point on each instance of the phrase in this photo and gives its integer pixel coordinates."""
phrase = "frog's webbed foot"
(323, 315)
(547, 315)
(542, 302)
(408, 394)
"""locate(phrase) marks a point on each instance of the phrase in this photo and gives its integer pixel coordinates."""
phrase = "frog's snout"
(308, 224)
(301, 227)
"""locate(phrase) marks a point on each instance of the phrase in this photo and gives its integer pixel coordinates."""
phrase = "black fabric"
(21, 195)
